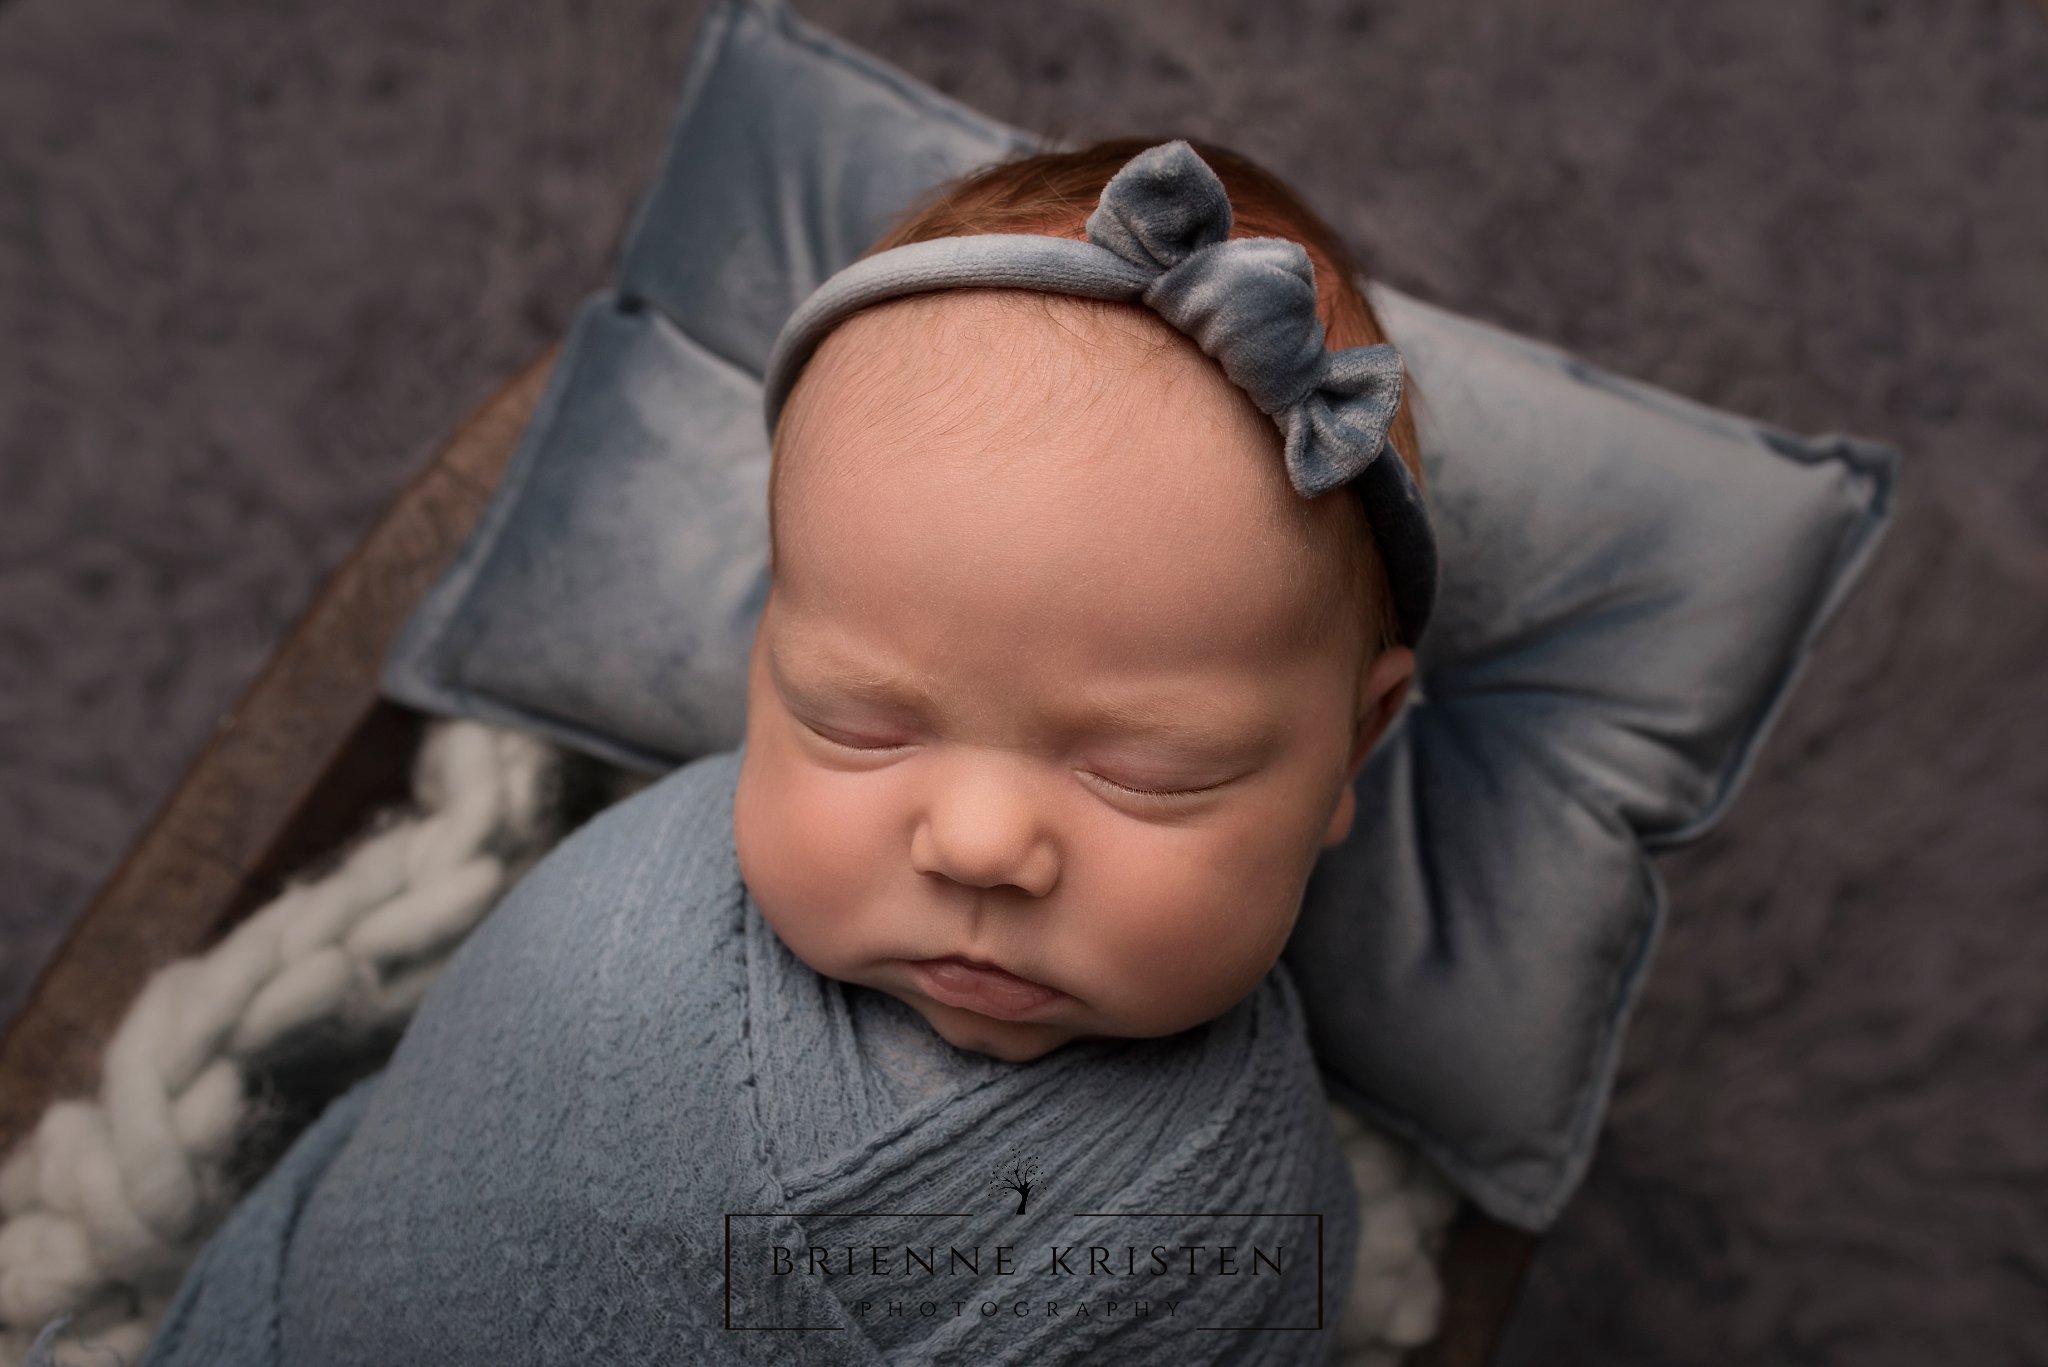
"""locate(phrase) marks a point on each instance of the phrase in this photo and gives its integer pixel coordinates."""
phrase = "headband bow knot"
(1160, 235)
(1251, 305)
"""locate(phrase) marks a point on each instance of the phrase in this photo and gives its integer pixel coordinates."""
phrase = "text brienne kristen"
(1070, 1260)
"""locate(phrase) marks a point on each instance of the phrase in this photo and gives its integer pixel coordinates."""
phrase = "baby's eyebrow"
(848, 676)
(1197, 726)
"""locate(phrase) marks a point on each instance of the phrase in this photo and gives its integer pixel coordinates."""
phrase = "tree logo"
(1018, 1173)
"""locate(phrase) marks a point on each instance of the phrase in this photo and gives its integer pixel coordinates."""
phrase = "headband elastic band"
(1160, 235)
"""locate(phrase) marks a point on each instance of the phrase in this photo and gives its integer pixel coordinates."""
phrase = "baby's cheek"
(804, 856)
(1182, 942)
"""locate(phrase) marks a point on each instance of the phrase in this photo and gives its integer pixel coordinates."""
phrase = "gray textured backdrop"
(255, 258)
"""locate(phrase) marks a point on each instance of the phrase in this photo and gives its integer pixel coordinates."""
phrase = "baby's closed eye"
(1149, 788)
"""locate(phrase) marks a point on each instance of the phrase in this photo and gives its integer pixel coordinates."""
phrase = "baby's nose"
(984, 825)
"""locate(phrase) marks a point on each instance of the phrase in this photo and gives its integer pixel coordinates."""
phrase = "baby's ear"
(1339, 828)
(1380, 696)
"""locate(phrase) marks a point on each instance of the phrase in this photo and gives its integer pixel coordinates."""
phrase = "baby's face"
(1027, 688)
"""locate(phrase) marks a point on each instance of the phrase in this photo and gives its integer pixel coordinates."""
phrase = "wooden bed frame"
(305, 758)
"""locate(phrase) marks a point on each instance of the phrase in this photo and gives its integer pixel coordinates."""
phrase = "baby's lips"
(989, 990)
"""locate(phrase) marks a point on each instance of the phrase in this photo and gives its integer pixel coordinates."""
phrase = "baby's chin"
(1010, 1041)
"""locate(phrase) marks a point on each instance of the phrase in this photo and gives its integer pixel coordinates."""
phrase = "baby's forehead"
(1088, 389)
(1060, 447)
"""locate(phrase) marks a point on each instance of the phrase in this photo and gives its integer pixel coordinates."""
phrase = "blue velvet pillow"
(1630, 583)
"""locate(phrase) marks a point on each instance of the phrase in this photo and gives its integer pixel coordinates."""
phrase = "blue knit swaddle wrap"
(624, 1057)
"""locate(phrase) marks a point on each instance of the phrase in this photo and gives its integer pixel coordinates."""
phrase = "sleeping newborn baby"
(942, 1021)
(1056, 695)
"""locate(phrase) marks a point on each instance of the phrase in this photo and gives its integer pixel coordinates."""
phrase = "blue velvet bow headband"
(1160, 236)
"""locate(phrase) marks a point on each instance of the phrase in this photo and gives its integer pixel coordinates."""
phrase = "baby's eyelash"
(1159, 794)
(844, 745)
(1151, 794)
